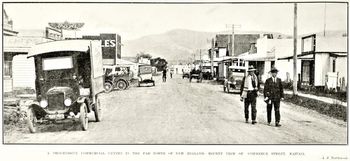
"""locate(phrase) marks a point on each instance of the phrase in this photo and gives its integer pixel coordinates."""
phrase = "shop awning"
(124, 62)
(256, 57)
(15, 44)
(309, 55)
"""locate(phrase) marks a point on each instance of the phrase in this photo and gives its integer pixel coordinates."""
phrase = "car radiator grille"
(56, 102)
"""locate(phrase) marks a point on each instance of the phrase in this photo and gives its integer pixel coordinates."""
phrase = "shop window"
(8, 69)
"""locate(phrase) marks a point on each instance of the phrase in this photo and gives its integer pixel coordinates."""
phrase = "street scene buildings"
(153, 78)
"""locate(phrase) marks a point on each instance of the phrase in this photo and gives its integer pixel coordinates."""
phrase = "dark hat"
(251, 68)
(274, 70)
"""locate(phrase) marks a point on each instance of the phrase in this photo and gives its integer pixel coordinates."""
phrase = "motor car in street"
(116, 77)
(145, 75)
(69, 80)
(196, 74)
(234, 81)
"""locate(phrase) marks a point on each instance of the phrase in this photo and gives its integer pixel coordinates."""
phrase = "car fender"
(86, 101)
(39, 111)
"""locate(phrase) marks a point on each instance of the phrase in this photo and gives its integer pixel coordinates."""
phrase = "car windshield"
(56, 63)
(145, 69)
(238, 70)
(108, 71)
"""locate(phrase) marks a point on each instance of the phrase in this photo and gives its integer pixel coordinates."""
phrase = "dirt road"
(179, 112)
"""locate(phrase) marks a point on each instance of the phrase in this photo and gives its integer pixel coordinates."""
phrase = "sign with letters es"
(109, 44)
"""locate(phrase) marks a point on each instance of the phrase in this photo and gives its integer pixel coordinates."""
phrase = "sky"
(133, 21)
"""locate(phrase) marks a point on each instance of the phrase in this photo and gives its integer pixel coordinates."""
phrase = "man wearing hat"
(273, 93)
(249, 92)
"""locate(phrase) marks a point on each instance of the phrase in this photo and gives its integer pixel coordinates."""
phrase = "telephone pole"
(212, 58)
(233, 26)
(295, 36)
(324, 19)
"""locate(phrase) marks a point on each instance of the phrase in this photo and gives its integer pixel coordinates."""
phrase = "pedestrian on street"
(249, 92)
(164, 74)
(273, 94)
(171, 73)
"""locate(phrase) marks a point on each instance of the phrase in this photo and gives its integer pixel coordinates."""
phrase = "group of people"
(165, 70)
(273, 94)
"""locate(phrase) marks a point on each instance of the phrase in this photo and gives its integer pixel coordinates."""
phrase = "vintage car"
(234, 80)
(116, 77)
(145, 75)
(69, 79)
(186, 73)
(196, 74)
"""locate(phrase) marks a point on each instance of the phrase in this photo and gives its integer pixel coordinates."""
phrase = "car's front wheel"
(108, 87)
(31, 120)
(84, 120)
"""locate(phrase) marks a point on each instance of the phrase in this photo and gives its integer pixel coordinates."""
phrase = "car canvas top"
(63, 45)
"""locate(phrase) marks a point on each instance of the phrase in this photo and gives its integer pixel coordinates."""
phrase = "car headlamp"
(68, 102)
(43, 103)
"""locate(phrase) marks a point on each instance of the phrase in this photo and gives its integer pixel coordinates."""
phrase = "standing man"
(171, 73)
(273, 94)
(164, 74)
(249, 92)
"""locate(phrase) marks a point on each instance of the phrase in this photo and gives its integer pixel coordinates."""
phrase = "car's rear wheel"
(84, 120)
(121, 85)
(31, 120)
(108, 87)
(98, 110)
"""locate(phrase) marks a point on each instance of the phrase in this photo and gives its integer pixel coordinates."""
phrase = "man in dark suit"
(249, 92)
(273, 94)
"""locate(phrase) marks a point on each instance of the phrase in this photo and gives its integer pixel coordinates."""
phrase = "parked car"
(234, 81)
(116, 77)
(196, 74)
(69, 80)
(186, 73)
(145, 75)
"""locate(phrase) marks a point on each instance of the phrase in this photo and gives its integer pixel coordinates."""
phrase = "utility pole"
(212, 58)
(233, 26)
(324, 19)
(295, 36)
(200, 58)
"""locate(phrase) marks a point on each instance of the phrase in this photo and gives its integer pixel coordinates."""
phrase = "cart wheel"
(84, 120)
(121, 85)
(98, 110)
(31, 120)
(108, 87)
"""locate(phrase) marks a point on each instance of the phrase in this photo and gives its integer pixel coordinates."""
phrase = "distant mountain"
(176, 44)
